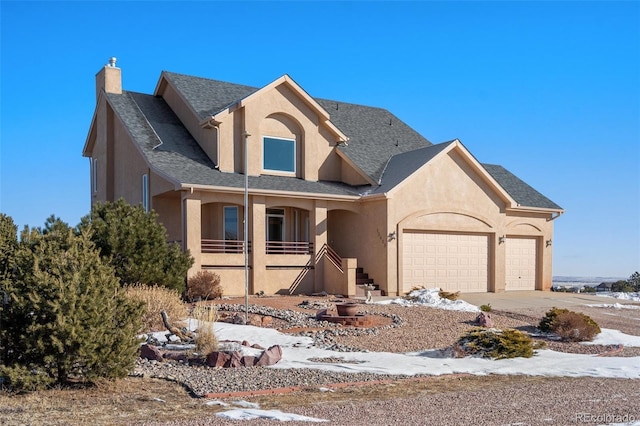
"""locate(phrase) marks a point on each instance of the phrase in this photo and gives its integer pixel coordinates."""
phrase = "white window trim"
(295, 157)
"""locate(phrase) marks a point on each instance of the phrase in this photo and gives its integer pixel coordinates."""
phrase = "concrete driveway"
(536, 299)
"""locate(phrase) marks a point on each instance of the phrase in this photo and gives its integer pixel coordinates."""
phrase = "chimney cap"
(112, 61)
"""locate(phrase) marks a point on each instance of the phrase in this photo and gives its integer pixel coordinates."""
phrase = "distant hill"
(571, 281)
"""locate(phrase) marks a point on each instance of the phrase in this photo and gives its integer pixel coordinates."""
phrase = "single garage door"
(453, 262)
(521, 261)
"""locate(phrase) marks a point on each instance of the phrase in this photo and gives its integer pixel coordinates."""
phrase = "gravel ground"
(499, 400)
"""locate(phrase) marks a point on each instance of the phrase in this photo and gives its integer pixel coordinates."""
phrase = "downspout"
(246, 227)
(217, 127)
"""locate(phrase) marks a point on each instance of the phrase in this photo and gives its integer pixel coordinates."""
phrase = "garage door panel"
(521, 263)
(453, 262)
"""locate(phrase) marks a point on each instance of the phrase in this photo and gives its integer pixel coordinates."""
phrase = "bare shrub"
(205, 285)
(448, 295)
(570, 326)
(575, 327)
(156, 299)
(206, 341)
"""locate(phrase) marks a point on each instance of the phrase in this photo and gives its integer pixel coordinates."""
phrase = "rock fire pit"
(347, 314)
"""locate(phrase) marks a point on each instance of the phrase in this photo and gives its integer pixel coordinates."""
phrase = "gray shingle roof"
(384, 147)
(208, 97)
(151, 121)
(401, 166)
(375, 135)
(519, 190)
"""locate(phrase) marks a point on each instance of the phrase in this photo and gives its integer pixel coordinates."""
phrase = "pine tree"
(135, 244)
(67, 317)
(634, 281)
(8, 245)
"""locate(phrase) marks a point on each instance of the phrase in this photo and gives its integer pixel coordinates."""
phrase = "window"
(279, 155)
(94, 175)
(145, 192)
(275, 224)
(231, 223)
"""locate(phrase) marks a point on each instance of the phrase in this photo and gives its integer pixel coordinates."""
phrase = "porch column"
(192, 233)
(257, 215)
(318, 222)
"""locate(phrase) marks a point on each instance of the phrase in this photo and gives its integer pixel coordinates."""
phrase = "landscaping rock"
(150, 352)
(270, 356)
(484, 320)
(218, 359)
(235, 361)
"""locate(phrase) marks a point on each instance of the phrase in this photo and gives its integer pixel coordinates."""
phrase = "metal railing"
(289, 247)
(332, 256)
(223, 246)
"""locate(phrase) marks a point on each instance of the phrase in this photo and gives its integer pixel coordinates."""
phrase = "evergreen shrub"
(486, 308)
(67, 319)
(136, 245)
(496, 344)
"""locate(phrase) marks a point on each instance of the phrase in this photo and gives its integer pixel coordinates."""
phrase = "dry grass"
(138, 400)
(122, 401)
(157, 298)
(206, 341)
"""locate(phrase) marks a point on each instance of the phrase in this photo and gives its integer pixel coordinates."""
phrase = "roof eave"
(91, 135)
(272, 192)
(542, 210)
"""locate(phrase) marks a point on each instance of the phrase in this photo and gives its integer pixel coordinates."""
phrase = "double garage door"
(460, 262)
(453, 262)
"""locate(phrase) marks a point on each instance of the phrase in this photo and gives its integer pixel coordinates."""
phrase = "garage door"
(453, 262)
(521, 260)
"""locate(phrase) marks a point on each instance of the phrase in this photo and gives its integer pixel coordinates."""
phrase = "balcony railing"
(223, 246)
(289, 247)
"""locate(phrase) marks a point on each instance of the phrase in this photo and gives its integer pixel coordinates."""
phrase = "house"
(604, 286)
(338, 195)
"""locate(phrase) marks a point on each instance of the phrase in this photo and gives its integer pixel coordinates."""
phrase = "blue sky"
(550, 90)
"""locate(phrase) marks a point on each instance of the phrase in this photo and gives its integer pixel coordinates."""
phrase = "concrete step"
(360, 291)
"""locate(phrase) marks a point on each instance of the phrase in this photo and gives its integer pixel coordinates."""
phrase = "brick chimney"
(109, 79)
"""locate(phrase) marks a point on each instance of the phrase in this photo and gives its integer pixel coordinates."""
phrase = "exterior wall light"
(392, 236)
(548, 243)
(502, 239)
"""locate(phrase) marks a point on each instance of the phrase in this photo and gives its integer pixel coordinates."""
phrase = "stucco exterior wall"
(128, 167)
(205, 137)
(280, 112)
